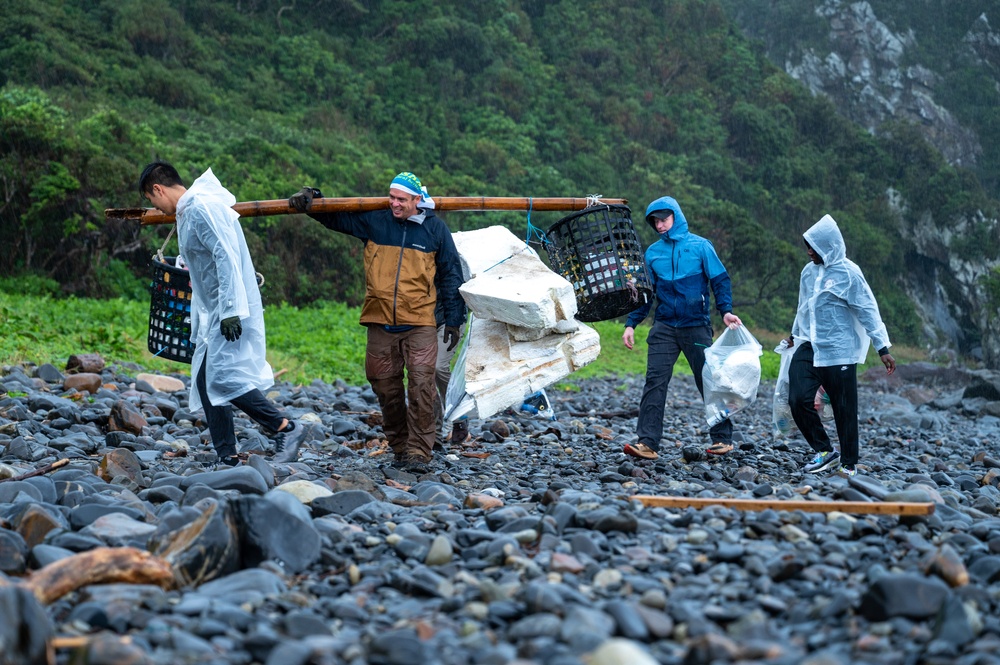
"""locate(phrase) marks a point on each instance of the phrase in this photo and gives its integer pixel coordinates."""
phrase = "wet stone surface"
(522, 545)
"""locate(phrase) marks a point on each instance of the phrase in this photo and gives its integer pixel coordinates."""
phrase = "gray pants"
(665, 346)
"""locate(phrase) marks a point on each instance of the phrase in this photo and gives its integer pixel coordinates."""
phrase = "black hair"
(158, 173)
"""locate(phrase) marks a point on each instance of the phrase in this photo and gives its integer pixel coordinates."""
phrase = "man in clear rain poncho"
(836, 316)
(227, 318)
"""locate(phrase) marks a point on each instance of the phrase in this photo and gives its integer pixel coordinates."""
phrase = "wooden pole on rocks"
(857, 507)
(147, 216)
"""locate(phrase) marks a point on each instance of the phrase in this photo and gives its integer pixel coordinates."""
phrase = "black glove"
(302, 199)
(231, 328)
(451, 337)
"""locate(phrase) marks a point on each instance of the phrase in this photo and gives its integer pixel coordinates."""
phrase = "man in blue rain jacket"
(683, 268)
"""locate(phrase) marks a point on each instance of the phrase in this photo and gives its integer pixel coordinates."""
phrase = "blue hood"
(680, 226)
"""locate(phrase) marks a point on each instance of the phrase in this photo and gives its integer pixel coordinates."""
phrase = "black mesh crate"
(598, 251)
(170, 312)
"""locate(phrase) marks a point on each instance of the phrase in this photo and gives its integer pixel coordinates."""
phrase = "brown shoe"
(719, 448)
(640, 450)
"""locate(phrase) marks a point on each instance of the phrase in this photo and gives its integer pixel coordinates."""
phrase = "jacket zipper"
(399, 269)
(673, 276)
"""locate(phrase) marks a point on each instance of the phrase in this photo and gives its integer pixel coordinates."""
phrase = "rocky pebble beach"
(523, 545)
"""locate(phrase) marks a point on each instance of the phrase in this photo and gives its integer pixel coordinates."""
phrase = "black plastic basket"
(170, 312)
(598, 251)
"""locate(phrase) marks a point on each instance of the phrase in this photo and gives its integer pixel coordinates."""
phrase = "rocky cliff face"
(873, 75)
(865, 75)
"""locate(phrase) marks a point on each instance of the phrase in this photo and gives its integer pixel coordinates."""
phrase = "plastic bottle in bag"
(537, 403)
(782, 423)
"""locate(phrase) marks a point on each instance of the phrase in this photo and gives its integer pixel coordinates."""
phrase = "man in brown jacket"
(407, 250)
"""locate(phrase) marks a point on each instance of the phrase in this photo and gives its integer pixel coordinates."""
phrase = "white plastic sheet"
(458, 403)
(731, 374)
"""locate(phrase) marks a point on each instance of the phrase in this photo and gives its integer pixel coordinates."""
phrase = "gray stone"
(903, 595)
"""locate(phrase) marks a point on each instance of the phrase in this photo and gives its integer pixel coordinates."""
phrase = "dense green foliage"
(634, 99)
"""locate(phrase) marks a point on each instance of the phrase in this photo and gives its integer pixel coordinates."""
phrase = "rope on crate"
(595, 199)
(159, 252)
(534, 230)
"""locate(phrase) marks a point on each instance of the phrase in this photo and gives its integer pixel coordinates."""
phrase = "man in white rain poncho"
(836, 316)
(227, 317)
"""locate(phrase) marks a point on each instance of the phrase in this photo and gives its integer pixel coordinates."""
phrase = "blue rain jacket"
(837, 311)
(683, 267)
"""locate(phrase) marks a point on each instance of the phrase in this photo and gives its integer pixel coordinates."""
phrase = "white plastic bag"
(731, 374)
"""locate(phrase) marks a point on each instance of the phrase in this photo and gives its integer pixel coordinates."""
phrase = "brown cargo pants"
(408, 412)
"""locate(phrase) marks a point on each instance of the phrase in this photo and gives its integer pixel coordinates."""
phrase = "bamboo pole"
(859, 507)
(148, 216)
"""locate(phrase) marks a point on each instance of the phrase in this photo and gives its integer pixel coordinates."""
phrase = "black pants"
(220, 418)
(665, 346)
(841, 384)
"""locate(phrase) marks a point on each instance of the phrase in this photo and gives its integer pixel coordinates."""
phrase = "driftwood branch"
(101, 565)
(858, 507)
(48, 468)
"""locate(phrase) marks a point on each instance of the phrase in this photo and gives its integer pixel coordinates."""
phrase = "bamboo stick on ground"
(858, 507)
(148, 216)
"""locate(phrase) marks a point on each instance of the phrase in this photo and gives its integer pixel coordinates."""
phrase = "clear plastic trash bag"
(782, 423)
(781, 413)
(731, 374)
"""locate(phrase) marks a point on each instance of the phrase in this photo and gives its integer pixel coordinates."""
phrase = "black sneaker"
(286, 442)
(227, 462)
(822, 461)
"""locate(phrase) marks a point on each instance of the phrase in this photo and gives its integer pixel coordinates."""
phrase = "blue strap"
(533, 231)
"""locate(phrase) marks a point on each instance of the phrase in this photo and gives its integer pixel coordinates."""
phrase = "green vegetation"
(323, 341)
(502, 97)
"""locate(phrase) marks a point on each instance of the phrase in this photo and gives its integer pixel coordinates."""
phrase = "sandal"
(720, 448)
(640, 450)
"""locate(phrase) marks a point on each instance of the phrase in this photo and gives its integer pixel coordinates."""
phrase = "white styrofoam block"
(522, 292)
(521, 334)
(484, 248)
(496, 379)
